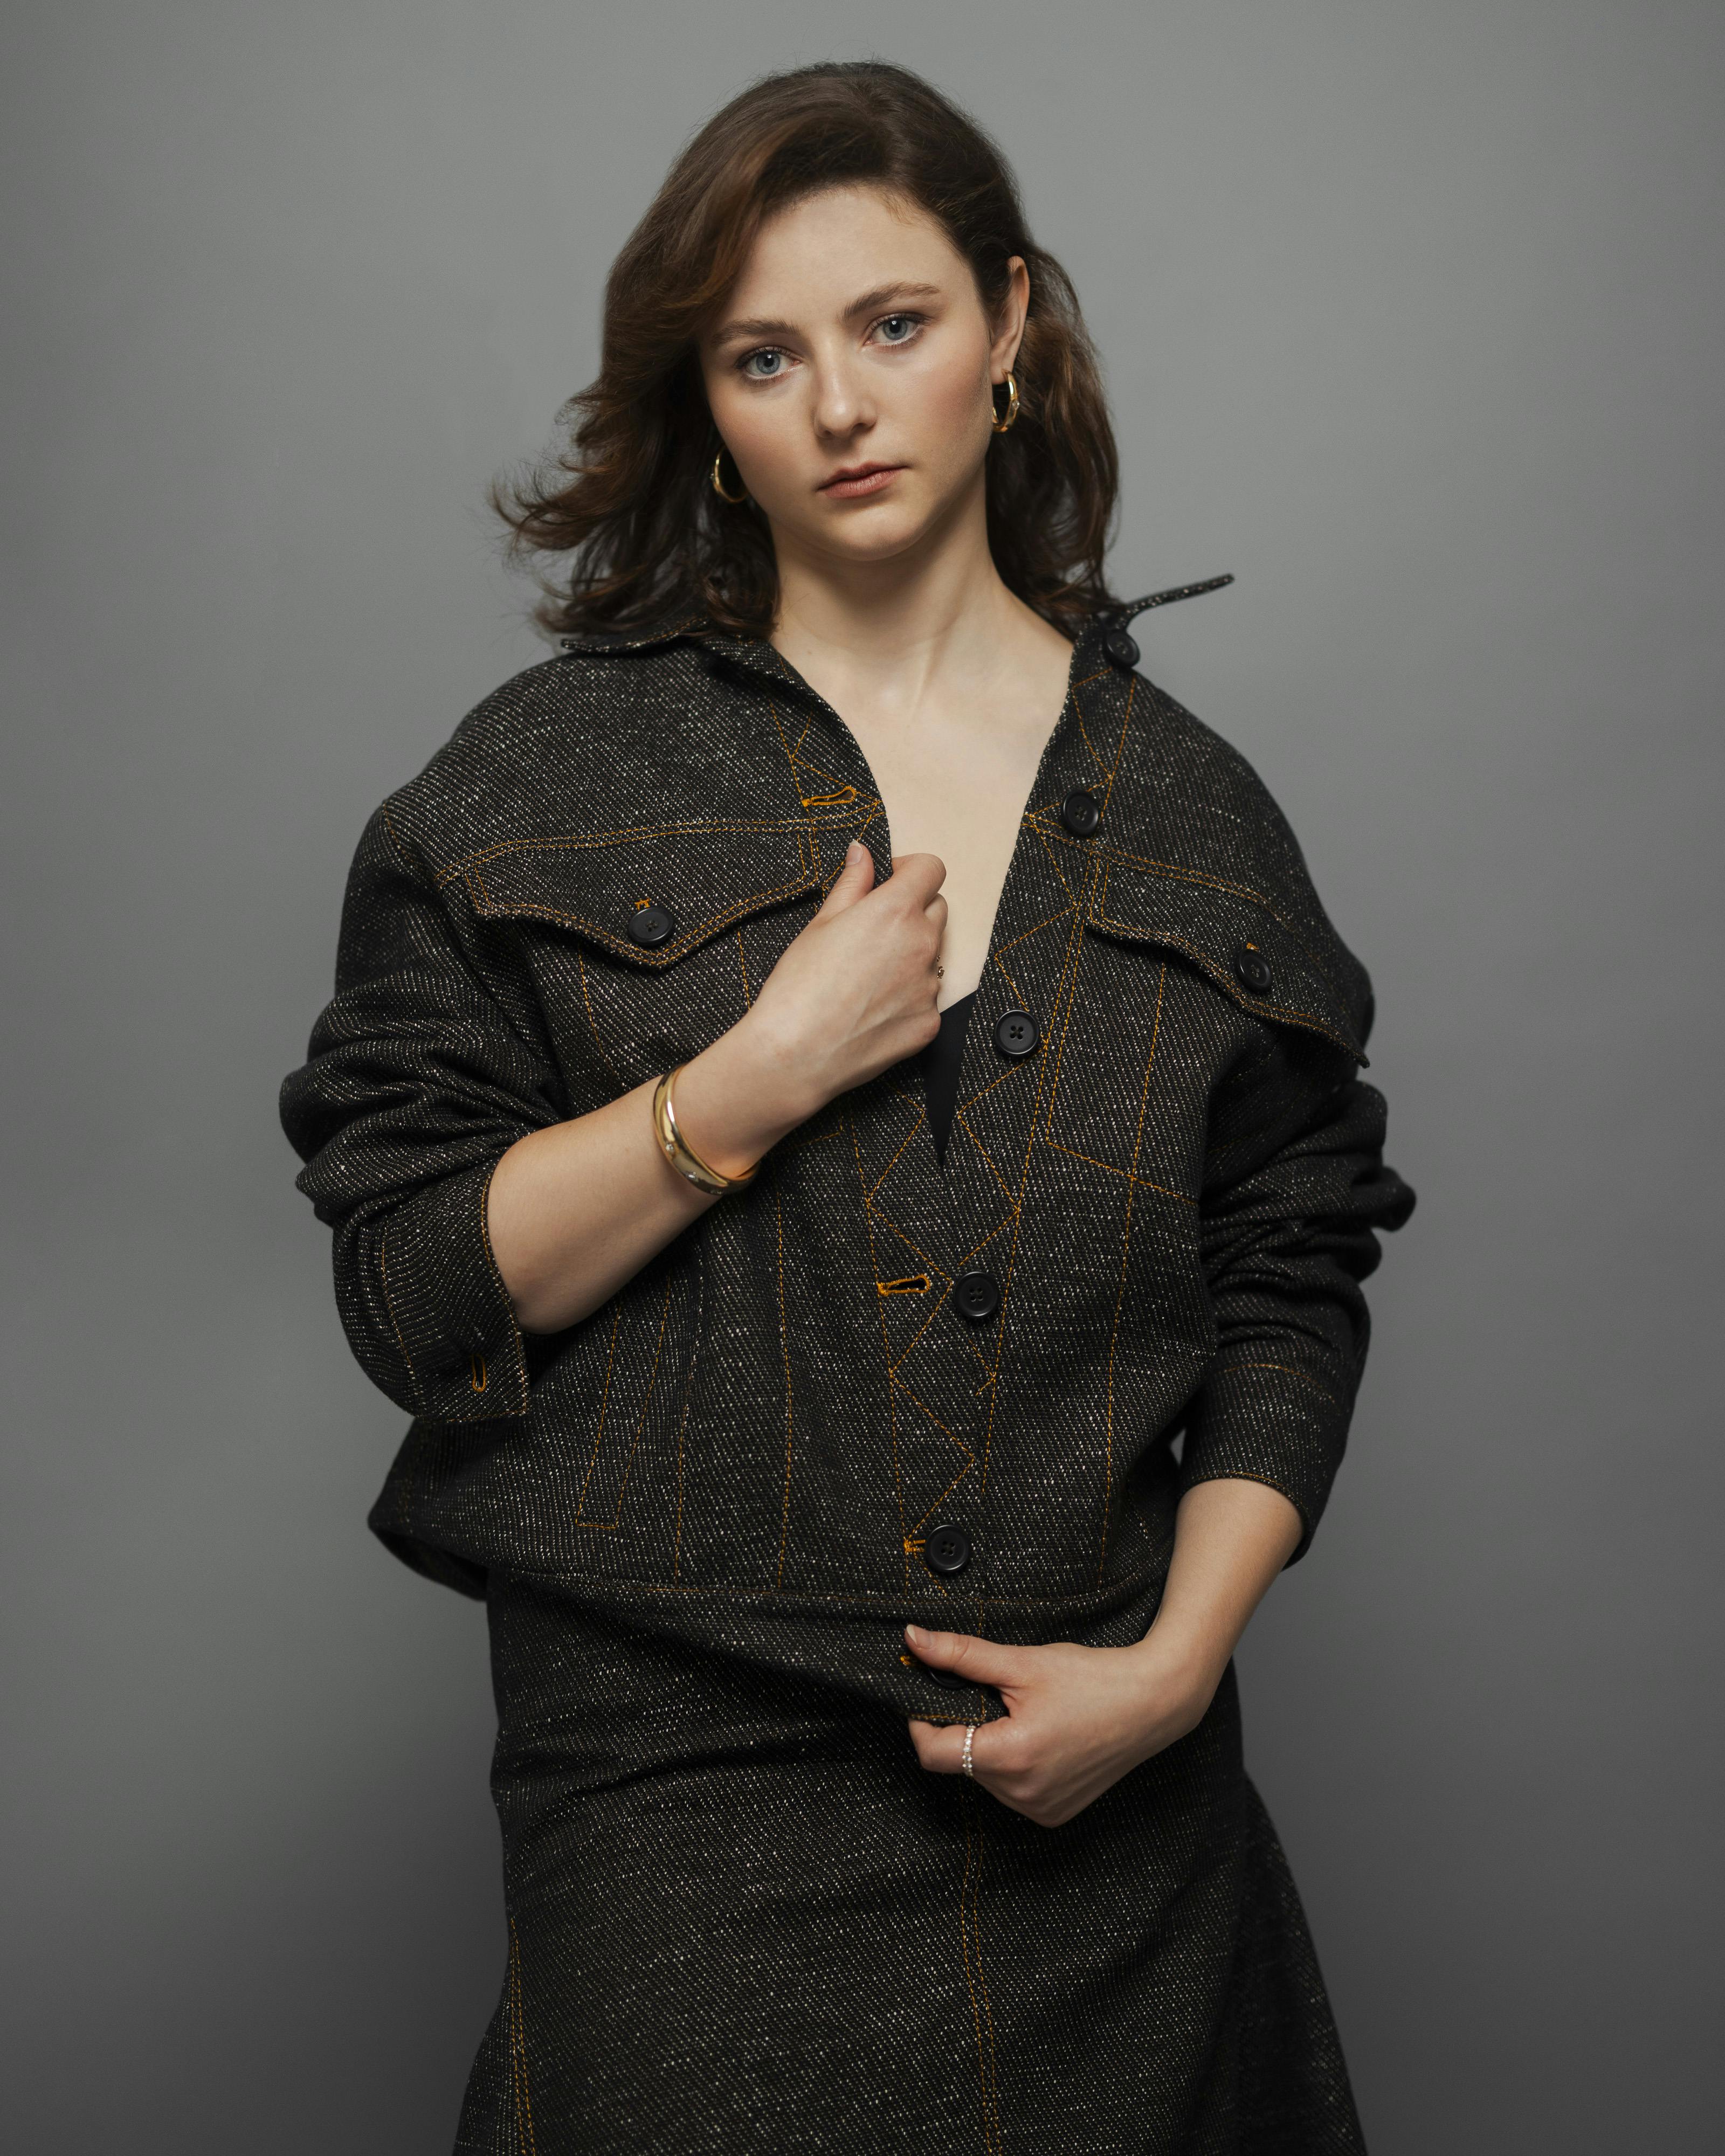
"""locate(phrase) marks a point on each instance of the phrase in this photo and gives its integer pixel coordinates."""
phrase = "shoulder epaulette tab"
(1123, 614)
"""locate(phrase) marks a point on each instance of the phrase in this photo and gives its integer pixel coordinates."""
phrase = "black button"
(946, 1550)
(1253, 969)
(1016, 1034)
(650, 925)
(1122, 649)
(1082, 813)
(977, 1295)
(948, 1680)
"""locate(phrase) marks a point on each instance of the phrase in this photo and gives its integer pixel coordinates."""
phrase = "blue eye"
(763, 366)
(898, 329)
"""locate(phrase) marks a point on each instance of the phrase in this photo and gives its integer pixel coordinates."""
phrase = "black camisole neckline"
(940, 1061)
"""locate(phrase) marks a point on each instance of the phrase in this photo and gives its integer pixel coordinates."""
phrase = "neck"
(893, 628)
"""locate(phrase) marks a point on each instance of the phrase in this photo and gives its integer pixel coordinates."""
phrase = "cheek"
(765, 434)
(949, 409)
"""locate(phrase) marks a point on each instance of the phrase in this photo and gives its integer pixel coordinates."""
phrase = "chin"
(887, 530)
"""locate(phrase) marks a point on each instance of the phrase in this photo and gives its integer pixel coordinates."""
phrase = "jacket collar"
(757, 655)
(601, 641)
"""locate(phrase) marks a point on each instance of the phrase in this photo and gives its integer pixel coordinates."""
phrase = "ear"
(1009, 320)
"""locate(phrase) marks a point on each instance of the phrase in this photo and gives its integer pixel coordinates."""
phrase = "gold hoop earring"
(1012, 403)
(719, 483)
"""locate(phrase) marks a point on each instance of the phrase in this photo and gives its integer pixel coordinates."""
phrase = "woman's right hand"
(576, 1210)
(853, 995)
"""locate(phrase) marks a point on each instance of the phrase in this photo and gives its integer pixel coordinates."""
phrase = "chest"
(958, 789)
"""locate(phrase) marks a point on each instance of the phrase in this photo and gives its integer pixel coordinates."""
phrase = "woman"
(800, 1246)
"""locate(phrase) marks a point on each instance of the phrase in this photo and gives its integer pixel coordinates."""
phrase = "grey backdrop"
(1412, 316)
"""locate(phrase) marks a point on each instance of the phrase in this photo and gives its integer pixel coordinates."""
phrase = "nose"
(843, 407)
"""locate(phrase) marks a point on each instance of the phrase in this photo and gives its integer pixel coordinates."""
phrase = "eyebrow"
(881, 296)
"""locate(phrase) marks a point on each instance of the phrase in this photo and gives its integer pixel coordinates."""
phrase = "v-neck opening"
(960, 1219)
(1053, 742)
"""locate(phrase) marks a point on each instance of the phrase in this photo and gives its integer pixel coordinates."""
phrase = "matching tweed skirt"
(743, 1921)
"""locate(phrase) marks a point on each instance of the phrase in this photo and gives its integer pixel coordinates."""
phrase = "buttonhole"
(911, 1284)
(830, 800)
(477, 1371)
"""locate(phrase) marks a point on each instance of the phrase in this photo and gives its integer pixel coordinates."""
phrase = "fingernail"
(913, 1633)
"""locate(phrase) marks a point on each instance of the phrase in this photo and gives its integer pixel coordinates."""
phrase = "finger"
(854, 881)
(940, 1746)
(983, 1661)
(919, 875)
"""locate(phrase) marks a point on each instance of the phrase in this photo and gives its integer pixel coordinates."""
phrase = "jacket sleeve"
(416, 1084)
(1296, 1193)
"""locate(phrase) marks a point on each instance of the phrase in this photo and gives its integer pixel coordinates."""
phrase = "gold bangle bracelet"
(681, 1155)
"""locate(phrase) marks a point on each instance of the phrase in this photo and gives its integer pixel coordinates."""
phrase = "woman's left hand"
(1077, 1718)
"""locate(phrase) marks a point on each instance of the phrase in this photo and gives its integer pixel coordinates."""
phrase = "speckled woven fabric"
(742, 1916)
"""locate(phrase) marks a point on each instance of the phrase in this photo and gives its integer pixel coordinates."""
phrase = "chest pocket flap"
(1230, 934)
(648, 896)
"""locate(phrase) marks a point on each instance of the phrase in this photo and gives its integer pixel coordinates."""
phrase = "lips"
(857, 479)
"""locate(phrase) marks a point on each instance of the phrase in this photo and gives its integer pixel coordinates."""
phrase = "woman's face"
(851, 374)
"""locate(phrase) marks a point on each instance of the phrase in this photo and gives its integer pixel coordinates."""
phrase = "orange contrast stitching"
(1174, 872)
(969, 1913)
(1060, 913)
(969, 1456)
(598, 1436)
(902, 1143)
(413, 1384)
(518, 2049)
(981, 1974)
(916, 1338)
(1287, 1370)
(683, 1420)
(860, 1599)
(640, 1423)
(680, 946)
(1289, 1013)
(1054, 859)
(593, 1024)
(1140, 1182)
(514, 1330)
(1062, 996)
(1066, 1023)
(1125, 1246)
(784, 1341)
(868, 1206)
(586, 842)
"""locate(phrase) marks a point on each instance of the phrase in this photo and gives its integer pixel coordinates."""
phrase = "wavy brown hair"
(637, 535)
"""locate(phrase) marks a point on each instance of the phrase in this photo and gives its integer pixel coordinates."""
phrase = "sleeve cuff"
(1268, 1422)
(444, 1305)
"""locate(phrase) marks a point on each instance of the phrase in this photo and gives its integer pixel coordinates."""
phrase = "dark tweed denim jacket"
(1174, 1195)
